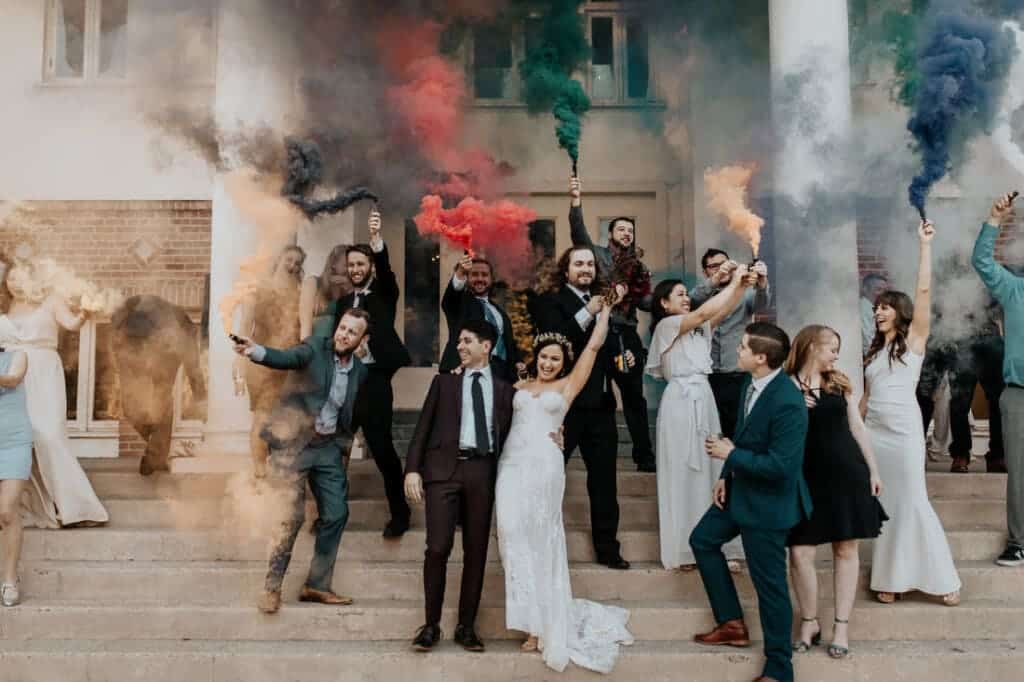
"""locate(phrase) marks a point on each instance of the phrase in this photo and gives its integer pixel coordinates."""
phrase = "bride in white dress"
(912, 553)
(531, 535)
(59, 493)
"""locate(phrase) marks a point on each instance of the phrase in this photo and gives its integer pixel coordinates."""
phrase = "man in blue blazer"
(308, 432)
(760, 496)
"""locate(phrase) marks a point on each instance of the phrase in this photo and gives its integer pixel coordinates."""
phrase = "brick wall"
(152, 247)
(137, 247)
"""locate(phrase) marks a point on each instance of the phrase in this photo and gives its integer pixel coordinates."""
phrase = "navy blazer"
(306, 390)
(764, 473)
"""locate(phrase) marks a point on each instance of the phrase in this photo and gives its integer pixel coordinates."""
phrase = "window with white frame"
(93, 388)
(87, 39)
(619, 71)
(111, 41)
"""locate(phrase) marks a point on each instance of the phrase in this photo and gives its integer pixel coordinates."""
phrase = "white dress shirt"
(759, 385)
(583, 316)
(467, 432)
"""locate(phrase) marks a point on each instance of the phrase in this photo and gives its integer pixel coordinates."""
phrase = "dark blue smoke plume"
(963, 61)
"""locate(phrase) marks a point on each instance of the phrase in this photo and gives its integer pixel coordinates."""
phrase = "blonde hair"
(833, 381)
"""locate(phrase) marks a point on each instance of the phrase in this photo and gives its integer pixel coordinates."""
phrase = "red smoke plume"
(429, 97)
(499, 230)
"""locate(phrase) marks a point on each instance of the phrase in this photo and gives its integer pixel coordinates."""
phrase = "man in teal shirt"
(1008, 290)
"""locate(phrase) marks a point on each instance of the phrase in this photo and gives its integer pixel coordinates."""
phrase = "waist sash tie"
(695, 387)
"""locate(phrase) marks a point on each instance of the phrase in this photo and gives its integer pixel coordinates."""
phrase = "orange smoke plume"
(726, 189)
(277, 220)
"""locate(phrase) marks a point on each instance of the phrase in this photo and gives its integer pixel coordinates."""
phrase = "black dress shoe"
(466, 636)
(396, 528)
(426, 637)
(616, 562)
(647, 465)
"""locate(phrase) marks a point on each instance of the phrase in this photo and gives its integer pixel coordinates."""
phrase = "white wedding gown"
(686, 416)
(912, 552)
(531, 539)
(59, 492)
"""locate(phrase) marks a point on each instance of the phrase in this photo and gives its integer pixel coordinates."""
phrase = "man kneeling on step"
(307, 433)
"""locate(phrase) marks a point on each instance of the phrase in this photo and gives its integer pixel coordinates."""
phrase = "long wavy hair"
(558, 277)
(904, 307)
(662, 291)
(811, 337)
(326, 292)
(543, 341)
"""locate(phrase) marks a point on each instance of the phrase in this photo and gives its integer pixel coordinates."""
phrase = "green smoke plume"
(557, 48)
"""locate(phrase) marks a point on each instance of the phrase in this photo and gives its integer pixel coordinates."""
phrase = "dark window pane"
(69, 38)
(542, 239)
(113, 37)
(603, 41)
(107, 389)
(637, 67)
(533, 31)
(67, 348)
(422, 296)
(492, 63)
(190, 407)
(602, 68)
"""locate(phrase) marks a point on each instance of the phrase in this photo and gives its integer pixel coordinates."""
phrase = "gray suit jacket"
(291, 423)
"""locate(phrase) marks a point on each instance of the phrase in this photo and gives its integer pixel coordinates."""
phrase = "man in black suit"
(375, 290)
(468, 298)
(307, 433)
(453, 464)
(570, 310)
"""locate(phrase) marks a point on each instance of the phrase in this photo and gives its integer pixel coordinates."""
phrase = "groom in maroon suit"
(452, 464)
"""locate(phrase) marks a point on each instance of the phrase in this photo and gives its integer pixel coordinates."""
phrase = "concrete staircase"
(166, 592)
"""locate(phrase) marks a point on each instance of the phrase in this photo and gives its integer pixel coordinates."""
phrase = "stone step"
(369, 620)
(80, 660)
(365, 481)
(248, 544)
(239, 582)
(635, 512)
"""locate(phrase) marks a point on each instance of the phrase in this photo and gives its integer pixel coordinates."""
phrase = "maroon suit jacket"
(435, 443)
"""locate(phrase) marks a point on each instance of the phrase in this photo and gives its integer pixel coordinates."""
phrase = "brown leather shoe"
(729, 633)
(320, 597)
(269, 602)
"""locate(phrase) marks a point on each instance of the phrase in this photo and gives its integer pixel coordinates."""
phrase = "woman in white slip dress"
(59, 492)
(528, 504)
(912, 553)
(681, 355)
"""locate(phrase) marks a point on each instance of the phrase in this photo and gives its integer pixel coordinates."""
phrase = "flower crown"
(554, 337)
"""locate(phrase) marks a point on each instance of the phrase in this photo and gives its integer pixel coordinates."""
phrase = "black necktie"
(483, 443)
(586, 298)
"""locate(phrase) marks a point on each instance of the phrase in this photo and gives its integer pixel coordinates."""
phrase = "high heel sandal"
(834, 650)
(888, 597)
(802, 647)
(530, 645)
(951, 599)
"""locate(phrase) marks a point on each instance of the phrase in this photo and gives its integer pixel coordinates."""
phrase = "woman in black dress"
(839, 466)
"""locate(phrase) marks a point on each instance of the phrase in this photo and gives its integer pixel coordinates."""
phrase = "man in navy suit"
(307, 434)
(760, 496)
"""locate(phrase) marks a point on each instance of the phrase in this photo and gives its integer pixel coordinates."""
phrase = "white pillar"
(253, 89)
(810, 62)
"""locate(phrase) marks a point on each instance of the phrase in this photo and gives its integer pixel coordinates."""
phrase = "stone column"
(253, 90)
(815, 233)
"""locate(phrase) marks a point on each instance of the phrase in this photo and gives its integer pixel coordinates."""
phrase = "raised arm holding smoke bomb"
(1008, 290)
(468, 297)
(726, 379)
(893, 420)
(620, 262)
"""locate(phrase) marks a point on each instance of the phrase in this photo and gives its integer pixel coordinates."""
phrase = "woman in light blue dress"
(15, 466)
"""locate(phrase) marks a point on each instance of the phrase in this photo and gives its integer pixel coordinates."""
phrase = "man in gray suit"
(307, 434)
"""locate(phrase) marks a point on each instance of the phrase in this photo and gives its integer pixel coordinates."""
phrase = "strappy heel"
(10, 593)
(951, 599)
(802, 647)
(888, 597)
(834, 650)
